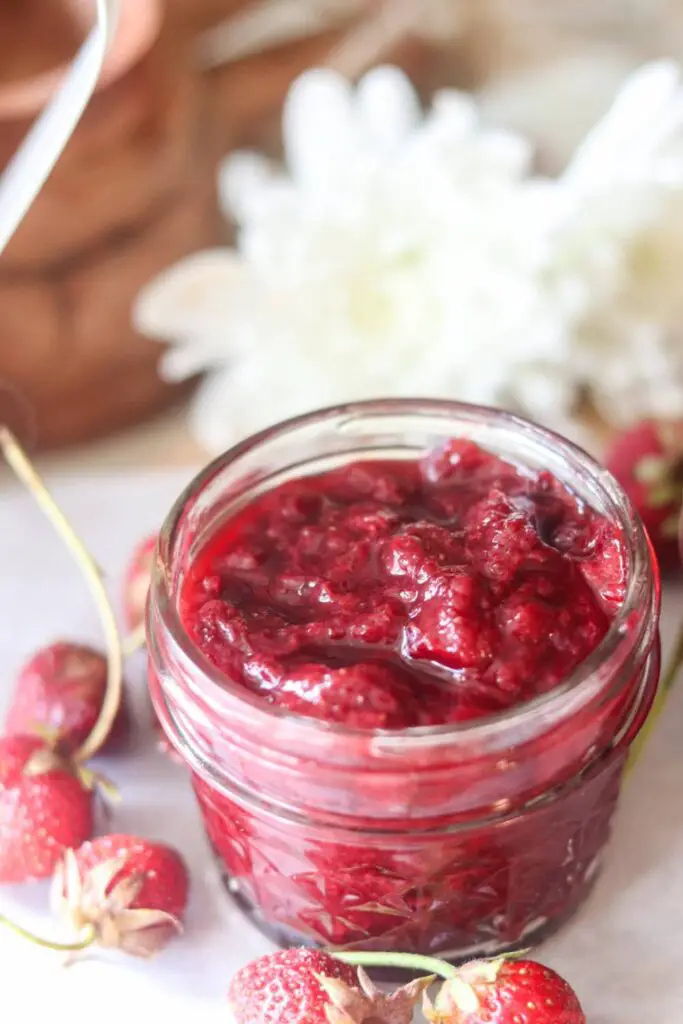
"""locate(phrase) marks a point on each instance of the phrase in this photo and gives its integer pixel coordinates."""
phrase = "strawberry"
(123, 892)
(284, 987)
(59, 692)
(45, 808)
(307, 986)
(136, 583)
(647, 460)
(505, 992)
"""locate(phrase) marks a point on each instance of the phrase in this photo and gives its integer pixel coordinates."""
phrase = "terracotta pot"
(133, 192)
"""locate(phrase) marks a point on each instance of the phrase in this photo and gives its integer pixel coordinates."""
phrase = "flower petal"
(453, 114)
(624, 130)
(320, 133)
(197, 355)
(214, 421)
(189, 296)
(388, 108)
(242, 178)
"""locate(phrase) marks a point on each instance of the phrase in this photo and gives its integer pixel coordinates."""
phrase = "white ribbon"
(31, 165)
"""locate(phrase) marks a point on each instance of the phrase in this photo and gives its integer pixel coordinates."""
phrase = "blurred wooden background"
(133, 192)
(135, 189)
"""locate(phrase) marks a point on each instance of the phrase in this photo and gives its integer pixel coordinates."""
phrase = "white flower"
(408, 255)
(627, 183)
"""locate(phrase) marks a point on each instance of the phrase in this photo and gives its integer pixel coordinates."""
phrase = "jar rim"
(641, 600)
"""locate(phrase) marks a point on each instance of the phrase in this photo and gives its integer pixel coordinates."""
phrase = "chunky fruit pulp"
(392, 594)
(385, 595)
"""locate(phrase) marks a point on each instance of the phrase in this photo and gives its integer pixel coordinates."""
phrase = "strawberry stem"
(134, 641)
(27, 474)
(674, 664)
(666, 684)
(59, 947)
(407, 961)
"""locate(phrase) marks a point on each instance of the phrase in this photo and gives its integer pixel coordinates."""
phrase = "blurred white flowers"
(408, 255)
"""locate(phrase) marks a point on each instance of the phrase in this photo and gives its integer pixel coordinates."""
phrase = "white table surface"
(622, 952)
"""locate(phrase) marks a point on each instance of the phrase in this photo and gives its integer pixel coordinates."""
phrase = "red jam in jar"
(404, 648)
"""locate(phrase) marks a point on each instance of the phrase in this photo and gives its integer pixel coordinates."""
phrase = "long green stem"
(675, 661)
(27, 474)
(60, 947)
(134, 641)
(666, 684)
(407, 961)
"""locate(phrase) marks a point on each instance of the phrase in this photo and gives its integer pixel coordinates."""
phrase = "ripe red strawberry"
(647, 460)
(505, 992)
(59, 692)
(129, 893)
(283, 987)
(45, 808)
(136, 582)
(307, 986)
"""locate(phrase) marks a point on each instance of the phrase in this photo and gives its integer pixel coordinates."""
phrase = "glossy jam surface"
(384, 595)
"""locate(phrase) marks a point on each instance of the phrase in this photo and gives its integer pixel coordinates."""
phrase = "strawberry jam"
(407, 688)
(386, 595)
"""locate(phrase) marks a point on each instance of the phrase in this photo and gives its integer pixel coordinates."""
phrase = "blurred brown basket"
(133, 191)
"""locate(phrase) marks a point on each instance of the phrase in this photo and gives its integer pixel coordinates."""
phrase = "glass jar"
(456, 839)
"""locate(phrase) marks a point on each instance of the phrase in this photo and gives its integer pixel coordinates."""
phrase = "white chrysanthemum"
(402, 255)
(627, 187)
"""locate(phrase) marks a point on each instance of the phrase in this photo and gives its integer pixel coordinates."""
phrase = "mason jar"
(456, 839)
